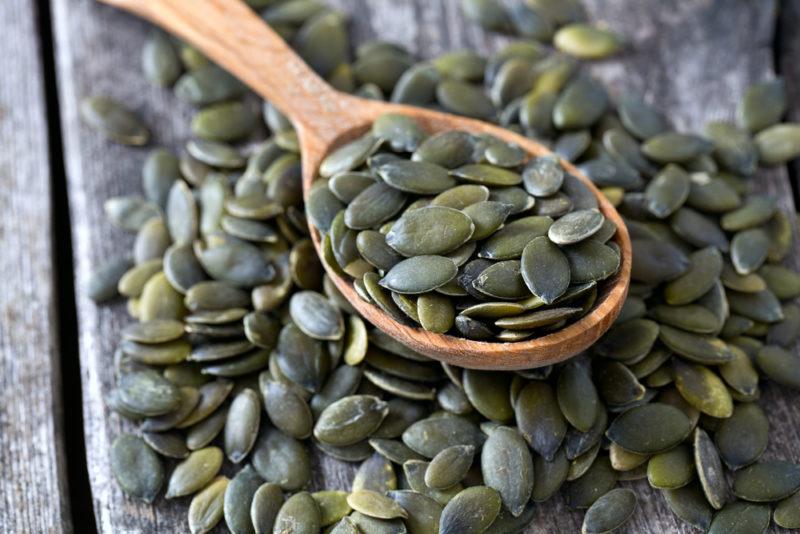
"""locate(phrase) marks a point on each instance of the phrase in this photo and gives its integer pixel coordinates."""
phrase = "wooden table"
(692, 58)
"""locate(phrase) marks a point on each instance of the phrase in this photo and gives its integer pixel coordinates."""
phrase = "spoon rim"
(547, 349)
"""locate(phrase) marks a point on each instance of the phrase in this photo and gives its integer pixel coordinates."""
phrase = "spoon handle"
(237, 39)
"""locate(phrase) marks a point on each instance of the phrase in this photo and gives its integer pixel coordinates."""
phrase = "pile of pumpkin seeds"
(244, 356)
(468, 234)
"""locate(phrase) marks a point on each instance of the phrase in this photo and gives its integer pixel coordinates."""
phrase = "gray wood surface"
(32, 469)
(691, 58)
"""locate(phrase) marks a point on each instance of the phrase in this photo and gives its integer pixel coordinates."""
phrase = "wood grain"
(33, 489)
(692, 58)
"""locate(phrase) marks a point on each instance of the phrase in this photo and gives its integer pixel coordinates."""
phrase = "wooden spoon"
(232, 35)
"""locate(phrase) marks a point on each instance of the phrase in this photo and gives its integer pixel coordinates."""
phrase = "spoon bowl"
(232, 35)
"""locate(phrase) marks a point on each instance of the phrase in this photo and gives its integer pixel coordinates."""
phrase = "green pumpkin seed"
(241, 426)
(709, 470)
(575, 226)
(415, 233)
(419, 274)
(577, 396)
(786, 512)
(136, 467)
(609, 512)
(695, 347)
(587, 42)
(743, 437)
(449, 466)
(471, 511)
(539, 419)
(580, 105)
(464, 99)
(373, 206)
(698, 229)
(667, 192)
(778, 144)
(288, 411)
(436, 312)
(767, 481)
(598, 480)
(168, 444)
(206, 508)
(350, 420)
(763, 104)
(208, 84)
(671, 469)
(689, 504)
(674, 147)
(429, 437)
(282, 460)
(417, 177)
(332, 506)
(375, 505)
(195, 472)
(510, 241)
(238, 498)
(649, 429)
(224, 121)
(740, 518)
(591, 261)
(113, 120)
(502, 280)
(703, 389)
(375, 474)
(299, 515)
(507, 467)
(301, 359)
(265, 504)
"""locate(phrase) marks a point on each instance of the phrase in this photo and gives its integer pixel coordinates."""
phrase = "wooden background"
(691, 58)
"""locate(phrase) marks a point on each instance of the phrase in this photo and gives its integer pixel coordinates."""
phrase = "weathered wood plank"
(684, 58)
(98, 53)
(33, 485)
(788, 52)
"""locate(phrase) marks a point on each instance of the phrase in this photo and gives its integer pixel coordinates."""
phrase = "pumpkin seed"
(136, 467)
(195, 472)
(740, 517)
(786, 514)
(470, 511)
(281, 460)
(610, 511)
(265, 505)
(689, 504)
(767, 481)
(598, 480)
(507, 467)
(350, 420)
(709, 470)
(113, 120)
(650, 428)
(299, 514)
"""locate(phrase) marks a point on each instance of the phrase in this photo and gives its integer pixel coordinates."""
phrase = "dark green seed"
(113, 120)
(472, 511)
(539, 419)
(650, 428)
(136, 467)
(767, 482)
(298, 515)
(741, 518)
(350, 420)
(609, 512)
(419, 232)
(419, 274)
(507, 467)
